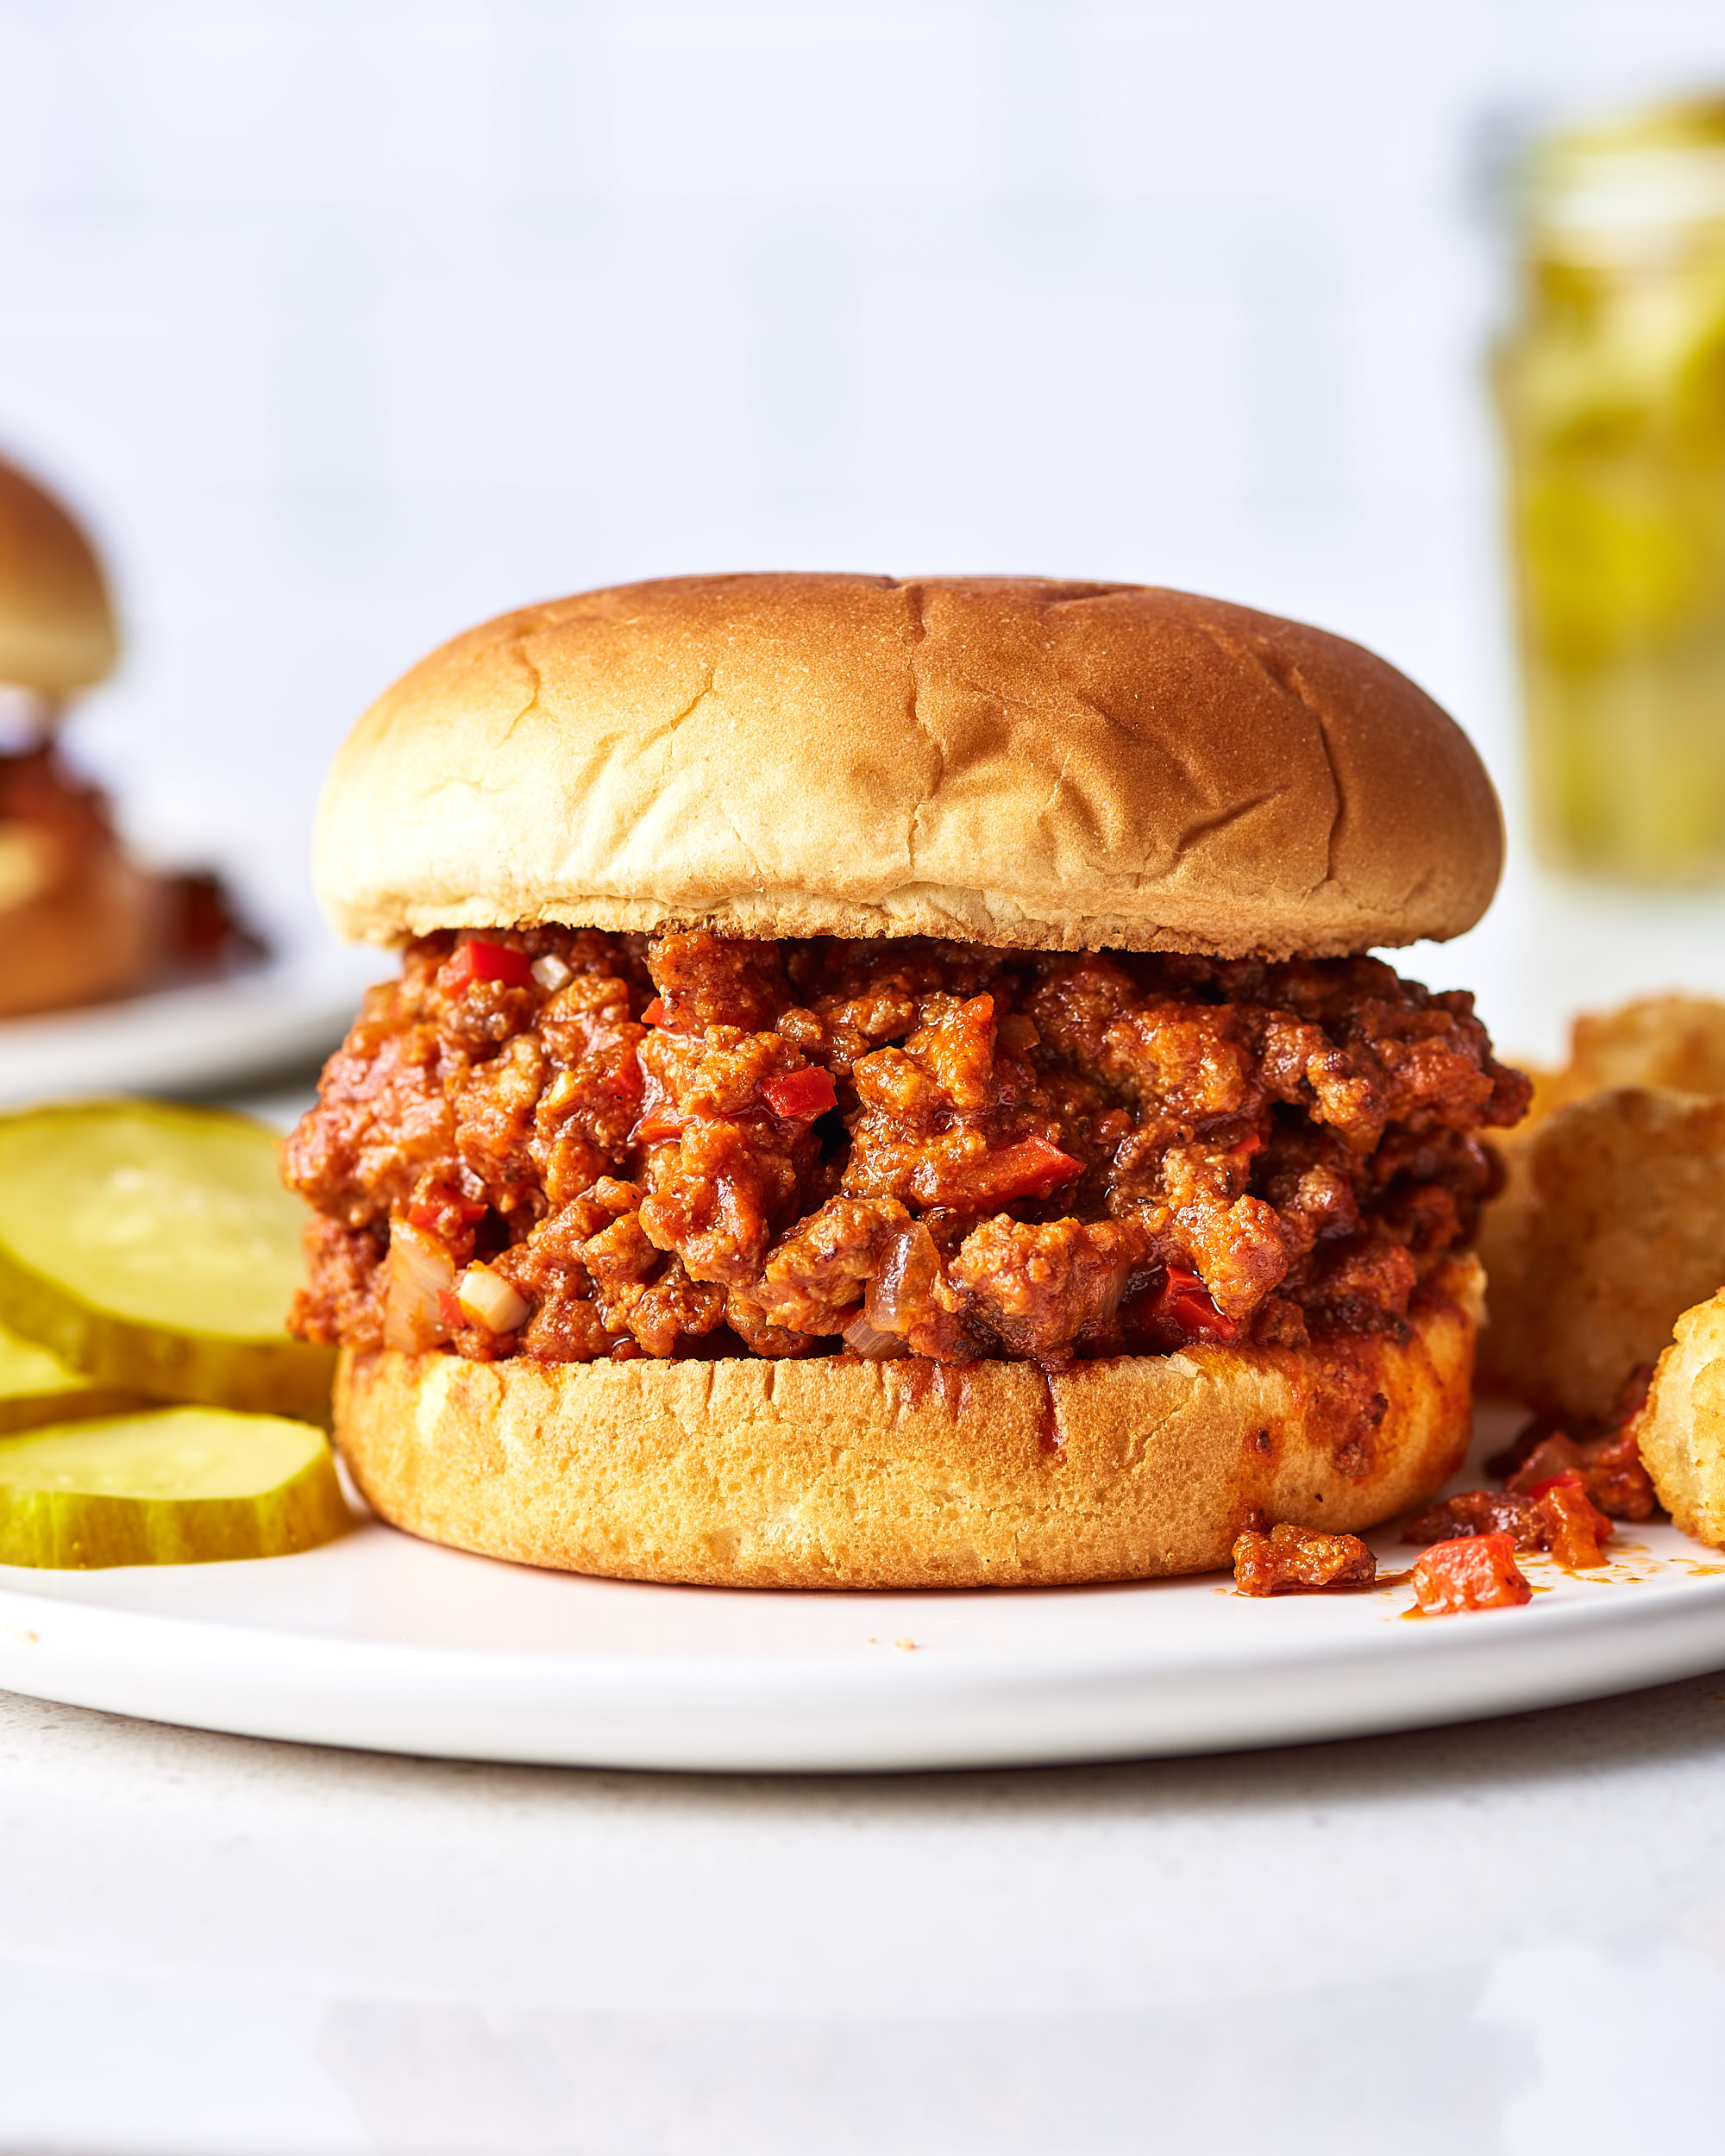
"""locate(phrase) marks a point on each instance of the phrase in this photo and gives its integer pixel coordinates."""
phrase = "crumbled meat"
(705, 1145)
(1612, 1473)
(817, 1274)
(1291, 1560)
(1041, 1288)
(1555, 1514)
(344, 1300)
(1477, 1511)
(1605, 1456)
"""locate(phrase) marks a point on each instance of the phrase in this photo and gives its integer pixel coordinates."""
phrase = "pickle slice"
(170, 1486)
(153, 1247)
(36, 1387)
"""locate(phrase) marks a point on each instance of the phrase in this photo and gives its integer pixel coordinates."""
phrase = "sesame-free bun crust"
(56, 625)
(1001, 760)
(834, 1473)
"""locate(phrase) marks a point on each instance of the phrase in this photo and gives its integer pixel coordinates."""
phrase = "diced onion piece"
(420, 1272)
(551, 973)
(870, 1342)
(487, 1298)
(900, 1291)
(885, 1290)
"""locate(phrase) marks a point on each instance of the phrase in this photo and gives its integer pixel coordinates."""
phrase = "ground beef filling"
(555, 1143)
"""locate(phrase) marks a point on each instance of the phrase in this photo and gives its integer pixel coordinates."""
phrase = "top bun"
(1003, 760)
(56, 625)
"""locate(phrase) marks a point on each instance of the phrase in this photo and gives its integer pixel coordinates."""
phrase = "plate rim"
(824, 1711)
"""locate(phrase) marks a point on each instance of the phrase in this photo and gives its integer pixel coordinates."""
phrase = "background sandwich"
(81, 921)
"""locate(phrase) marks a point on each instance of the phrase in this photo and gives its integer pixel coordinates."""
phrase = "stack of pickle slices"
(153, 1409)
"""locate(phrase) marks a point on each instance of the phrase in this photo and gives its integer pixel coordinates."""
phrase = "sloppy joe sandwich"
(885, 1087)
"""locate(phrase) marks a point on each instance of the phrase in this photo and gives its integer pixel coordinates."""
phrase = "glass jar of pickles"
(1612, 391)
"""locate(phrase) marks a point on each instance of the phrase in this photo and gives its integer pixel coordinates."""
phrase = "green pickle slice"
(36, 1387)
(153, 1247)
(169, 1486)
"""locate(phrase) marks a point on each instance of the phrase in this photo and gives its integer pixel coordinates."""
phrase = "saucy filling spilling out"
(558, 1143)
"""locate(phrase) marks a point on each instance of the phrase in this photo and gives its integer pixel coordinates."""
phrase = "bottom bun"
(837, 1473)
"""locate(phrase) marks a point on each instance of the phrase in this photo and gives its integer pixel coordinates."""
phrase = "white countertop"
(1506, 1936)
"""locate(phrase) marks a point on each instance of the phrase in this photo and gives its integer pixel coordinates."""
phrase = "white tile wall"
(349, 323)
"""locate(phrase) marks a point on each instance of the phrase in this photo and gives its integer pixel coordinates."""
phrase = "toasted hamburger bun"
(1003, 760)
(839, 1473)
(57, 630)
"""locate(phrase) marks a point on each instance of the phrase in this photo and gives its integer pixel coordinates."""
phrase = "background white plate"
(216, 1033)
(387, 1644)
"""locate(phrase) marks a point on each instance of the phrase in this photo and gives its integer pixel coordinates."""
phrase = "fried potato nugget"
(1611, 1224)
(1673, 1041)
(1681, 1431)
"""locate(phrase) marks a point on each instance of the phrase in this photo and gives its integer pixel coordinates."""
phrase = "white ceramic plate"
(387, 1643)
(217, 1033)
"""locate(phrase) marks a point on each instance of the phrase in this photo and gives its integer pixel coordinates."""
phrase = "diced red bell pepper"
(1472, 1572)
(477, 960)
(1565, 1478)
(442, 1208)
(1574, 1525)
(800, 1095)
(449, 1310)
(1032, 1168)
(655, 1013)
(1186, 1303)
